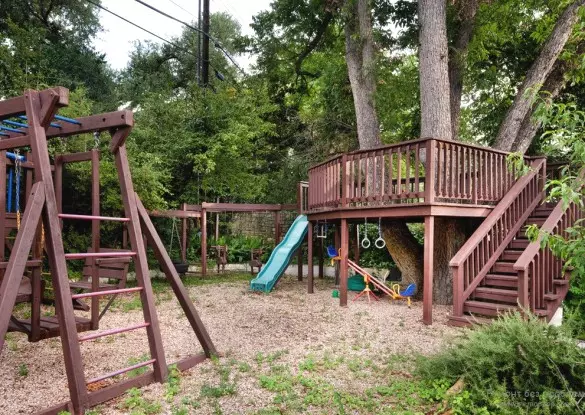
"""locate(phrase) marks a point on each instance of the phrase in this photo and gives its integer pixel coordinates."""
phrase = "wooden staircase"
(498, 269)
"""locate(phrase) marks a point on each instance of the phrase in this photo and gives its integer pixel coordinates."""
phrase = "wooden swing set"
(29, 121)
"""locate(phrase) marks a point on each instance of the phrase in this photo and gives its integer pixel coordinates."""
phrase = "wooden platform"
(49, 326)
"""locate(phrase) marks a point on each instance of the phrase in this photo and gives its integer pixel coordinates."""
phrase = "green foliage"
(138, 405)
(515, 365)
(23, 370)
(173, 385)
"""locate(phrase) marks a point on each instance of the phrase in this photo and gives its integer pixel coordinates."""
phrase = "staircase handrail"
(504, 229)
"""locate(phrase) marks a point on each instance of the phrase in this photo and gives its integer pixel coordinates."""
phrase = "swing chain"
(380, 242)
(96, 140)
(365, 241)
(17, 170)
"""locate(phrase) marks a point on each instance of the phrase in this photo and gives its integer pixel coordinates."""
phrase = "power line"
(215, 41)
(182, 8)
(150, 33)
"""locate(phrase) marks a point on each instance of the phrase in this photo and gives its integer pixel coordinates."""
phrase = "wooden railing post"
(430, 171)
(458, 288)
(523, 299)
(344, 180)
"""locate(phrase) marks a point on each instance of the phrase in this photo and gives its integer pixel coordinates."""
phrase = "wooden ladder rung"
(84, 255)
(120, 372)
(92, 217)
(35, 263)
(111, 332)
(106, 292)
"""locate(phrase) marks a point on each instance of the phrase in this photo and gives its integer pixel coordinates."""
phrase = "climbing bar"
(12, 130)
(53, 124)
(106, 292)
(15, 124)
(13, 156)
(66, 119)
(112, 332)
(83, 255)
(120, 372)
(91, 217)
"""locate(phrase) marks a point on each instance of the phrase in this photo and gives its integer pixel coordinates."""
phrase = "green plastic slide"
(281, 256)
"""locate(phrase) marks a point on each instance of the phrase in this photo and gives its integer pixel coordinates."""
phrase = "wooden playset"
(29, 121)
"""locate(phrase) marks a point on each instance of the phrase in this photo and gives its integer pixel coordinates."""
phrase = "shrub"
(514, 365)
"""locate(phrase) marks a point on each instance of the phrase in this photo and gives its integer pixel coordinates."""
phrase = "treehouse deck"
(497, 269)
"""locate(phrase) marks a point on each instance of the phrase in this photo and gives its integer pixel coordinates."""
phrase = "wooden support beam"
(141, 265)
(203, 242)
(310, 282)
(19, 256)
(321, 258)
(51, 100)
(11, 107)
(73, 157)
(2, 204)
(343, 266)
(14, 142)
(174, 214)
(98, 122)
(177, 285)
(240, 207)
(183, 235)
(56, 254)
(429, 243)
(119, 138)
(95, 235)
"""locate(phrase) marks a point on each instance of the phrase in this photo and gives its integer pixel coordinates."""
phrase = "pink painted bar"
(83, 255)
(112, 332)
(91, 217)
(121, 371)
(106, 292)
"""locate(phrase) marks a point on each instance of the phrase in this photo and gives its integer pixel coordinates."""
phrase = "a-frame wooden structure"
(39, 108)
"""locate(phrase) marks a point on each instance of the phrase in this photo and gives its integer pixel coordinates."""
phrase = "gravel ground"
(287, 323)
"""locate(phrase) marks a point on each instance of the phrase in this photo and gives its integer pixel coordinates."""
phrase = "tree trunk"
(540, 70)
(360, 57)
(405, 251)
(434, 71)
(436, 122)
(361, 67)
(457, 60)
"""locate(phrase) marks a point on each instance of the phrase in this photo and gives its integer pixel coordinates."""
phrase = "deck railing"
(476, 257)
(457, 173)
(538, 268)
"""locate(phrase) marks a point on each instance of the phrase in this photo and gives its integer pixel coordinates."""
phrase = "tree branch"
(313, 44)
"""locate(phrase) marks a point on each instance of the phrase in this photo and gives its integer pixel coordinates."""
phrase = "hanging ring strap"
(96, 140)
(172, 236)
(380, 242)
(366, 242)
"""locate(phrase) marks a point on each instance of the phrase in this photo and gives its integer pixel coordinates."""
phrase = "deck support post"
(321, 258)
(343, 267)
(184, 227)
(428, 270)
(310, 281)
(203, 242)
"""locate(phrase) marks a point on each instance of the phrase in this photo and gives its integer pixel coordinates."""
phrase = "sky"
(117, 39)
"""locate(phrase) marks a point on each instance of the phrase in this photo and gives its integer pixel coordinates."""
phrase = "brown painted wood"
(55, 251)
(310, 282)
(14, 142)
(184, 226)
(175, 281)
(95, 235)
(321, 258)
(429, 242)
(141, 264)
(203, 242)
(18, 257)
(343, 265)
(74, 157)
(2, 204)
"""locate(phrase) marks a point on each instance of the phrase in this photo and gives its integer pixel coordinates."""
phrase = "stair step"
(501, 267)
(552, 297)
(487, 309)
(468, 321)
(497, 294)
(519, 243)
(510, 255)
(560, 282)
(535, 221)
(541, 213)
(501, 280)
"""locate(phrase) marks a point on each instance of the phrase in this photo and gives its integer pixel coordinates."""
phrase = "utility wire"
(150, 33)
(182, 8)
(215, 41)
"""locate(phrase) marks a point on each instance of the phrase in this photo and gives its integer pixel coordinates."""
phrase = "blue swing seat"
(409, 290)
(331, 251)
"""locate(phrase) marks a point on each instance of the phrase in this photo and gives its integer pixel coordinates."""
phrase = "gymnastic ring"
(380, 243)
(366, 243)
